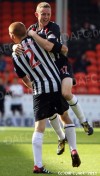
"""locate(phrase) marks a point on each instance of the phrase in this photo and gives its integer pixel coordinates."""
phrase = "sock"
(55, 123)
(37, 140)
(14, 120)
(75, 106)
(71, 135)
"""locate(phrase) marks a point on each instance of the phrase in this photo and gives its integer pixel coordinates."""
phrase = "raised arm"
(47, 45)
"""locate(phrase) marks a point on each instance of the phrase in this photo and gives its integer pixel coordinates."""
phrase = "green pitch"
(16, 153)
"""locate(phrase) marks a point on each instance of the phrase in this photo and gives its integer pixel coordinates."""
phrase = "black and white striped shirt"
(39, 65)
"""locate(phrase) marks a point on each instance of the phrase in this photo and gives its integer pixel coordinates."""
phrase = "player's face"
(44, 16)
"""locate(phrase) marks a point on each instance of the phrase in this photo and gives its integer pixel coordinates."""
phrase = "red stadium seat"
(6, 18)
(28, 17)
(98, 54)
(80, 75)
(18, 17)
(53, 5)
(99, 68)
(92, 69)
(29, 11)
(97, 47)
(81, 90)
(8, 77)
(92, 60)
(28, 23)
(6, 4)
(93, 83)
(72, 60)
(7, 10)
(92, 77)
(2, 75)
(9, 67)
(80, 78)
(14, 75)
(90, 54)
(5, 32)
(6, 39)
(53, 17)
(28, 5)
(17, 4)
(8, 59)
(17, 11)
(93, 90)
(98, 61)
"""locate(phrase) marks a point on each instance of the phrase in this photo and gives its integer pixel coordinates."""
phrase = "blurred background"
(80, 28)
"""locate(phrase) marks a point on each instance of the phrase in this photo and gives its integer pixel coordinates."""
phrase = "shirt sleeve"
(54, 29)
(53, 38)
(53, 33)
(33, 27)
(18, 70)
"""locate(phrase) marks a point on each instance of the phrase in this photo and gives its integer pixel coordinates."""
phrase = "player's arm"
(27, 81)
(52, 38)
(21, 74)
(47, 45)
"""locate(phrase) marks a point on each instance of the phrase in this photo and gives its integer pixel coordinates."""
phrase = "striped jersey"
(39, 65)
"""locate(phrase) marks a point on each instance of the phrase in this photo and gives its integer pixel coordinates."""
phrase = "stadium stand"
(16, 11)
(80, 43)
(85, 41)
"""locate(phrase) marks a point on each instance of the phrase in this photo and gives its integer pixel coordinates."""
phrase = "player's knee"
(65, 118)
(67, 94)
(39, 129)
(40, 126)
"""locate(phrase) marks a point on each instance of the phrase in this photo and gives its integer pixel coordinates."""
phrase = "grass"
(16, 158)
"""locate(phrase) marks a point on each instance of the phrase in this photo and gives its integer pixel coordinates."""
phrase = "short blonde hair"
(18, 29)
(42, 5)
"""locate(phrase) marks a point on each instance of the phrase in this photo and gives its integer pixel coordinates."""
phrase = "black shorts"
(2, 110)
(16, 108)
(47, 104)
(65, 68)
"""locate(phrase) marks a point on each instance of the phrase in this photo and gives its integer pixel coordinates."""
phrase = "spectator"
(81, 64)
(17, 92)
(2, 63)
(2, 98)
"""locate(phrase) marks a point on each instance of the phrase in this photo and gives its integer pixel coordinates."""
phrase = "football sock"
(37, 140)
(71, 135)
(75, 106)
(14, 120)
(55, 123)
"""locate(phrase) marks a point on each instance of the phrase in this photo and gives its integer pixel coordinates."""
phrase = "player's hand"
(18, 49)
(64, 50)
